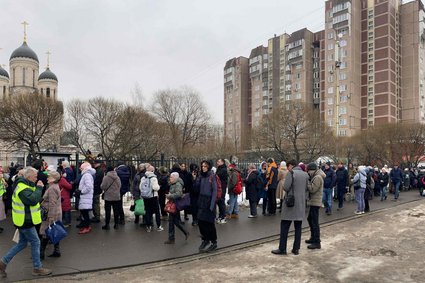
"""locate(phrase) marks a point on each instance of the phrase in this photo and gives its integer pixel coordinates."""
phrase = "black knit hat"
(312, 166)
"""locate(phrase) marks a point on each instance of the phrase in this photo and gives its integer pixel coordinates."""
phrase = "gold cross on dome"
(25, 24)
(48, 58)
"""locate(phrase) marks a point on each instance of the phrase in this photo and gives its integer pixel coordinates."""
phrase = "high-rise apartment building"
(365, 69)
(412, 29)
(236, 102)
(261, 103)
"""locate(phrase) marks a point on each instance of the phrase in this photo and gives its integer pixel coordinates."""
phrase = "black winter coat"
(224, 176)
(251, 185)
(207, 196)
(124, 174)
(341, 178)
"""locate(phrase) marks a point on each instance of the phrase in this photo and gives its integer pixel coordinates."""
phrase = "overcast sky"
(104, 48)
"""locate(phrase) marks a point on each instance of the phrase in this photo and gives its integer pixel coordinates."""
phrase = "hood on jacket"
(319, 172)
(150, 174)
(90, 170)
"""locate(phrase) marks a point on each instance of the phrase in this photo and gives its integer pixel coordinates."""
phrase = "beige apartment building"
(260, 103)
(236, 102)
(413, 66)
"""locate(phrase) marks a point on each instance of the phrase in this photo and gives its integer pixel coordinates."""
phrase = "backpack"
(219, 188)
(237, 190)
(145, 187)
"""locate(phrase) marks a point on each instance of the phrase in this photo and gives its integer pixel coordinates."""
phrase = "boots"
(43, 245)
(56, 251)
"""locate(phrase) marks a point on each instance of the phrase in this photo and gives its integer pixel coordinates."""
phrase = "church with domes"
(24, 75)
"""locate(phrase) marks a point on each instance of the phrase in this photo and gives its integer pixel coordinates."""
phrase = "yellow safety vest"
(18, 207)
(2, 187)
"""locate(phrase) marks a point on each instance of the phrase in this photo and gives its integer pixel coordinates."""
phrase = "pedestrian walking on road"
(251, 189)
(52, 202)
(315, 192)
(25, 215)
(342, 183)
(110, 186)
(296, 184)
(206, 184)
(176, 192)
(86, 187)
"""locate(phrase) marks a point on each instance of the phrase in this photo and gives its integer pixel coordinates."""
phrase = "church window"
(48, 92)
(14, 82)
(23, 76)
(42, 92)
(33, 78)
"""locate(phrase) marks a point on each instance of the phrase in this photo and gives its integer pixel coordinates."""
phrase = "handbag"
(56, 232)
(170, 207)
(290, 198)
(44, 213)
(103, 194)
(183, 202)
(139, 207)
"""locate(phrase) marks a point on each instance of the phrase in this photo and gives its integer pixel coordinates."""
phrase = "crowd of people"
(39, 195)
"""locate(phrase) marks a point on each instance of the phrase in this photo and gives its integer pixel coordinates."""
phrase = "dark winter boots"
(43, 245)
(56, 251)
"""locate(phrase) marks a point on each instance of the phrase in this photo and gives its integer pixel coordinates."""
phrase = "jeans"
(152, 207)
(233, 204)
(384, 191)
(174, 220)
(253, 207)
(340, 194)
(66, 217)
(271, 203)
(327, 199)
(284, 229)
(115, 205)
(313, 222)
(396, 189)
(360, 199)
(26, 235)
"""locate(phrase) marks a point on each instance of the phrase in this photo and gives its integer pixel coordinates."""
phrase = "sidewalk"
(132, 245)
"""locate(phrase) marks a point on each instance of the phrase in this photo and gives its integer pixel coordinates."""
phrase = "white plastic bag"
(16, 236)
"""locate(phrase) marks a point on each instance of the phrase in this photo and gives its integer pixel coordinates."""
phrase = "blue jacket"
(124, 174)
(341, 178)
(396, 175)
(330, 179)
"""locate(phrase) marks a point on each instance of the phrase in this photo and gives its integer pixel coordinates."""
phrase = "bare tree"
(184, 114)
(75, 123)
(33, 120)
(137, 97)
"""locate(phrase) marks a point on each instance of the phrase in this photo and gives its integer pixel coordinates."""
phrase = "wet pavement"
(132, 245)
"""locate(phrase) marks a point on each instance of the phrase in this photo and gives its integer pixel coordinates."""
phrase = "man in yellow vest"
(26, 214)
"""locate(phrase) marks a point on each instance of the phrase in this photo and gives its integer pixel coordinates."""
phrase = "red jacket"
(65, 194)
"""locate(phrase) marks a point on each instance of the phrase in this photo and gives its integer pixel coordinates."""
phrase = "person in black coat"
(223, 174)
(382, 184)
(188, 184)
(341, 184)
(251, 189)
(206, 184)
(124, 174)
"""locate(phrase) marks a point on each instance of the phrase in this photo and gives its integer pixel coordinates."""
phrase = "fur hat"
(312, 166)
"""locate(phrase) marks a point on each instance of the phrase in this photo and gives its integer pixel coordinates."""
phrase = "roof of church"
(49, 75)
(24, 51)
(3, 72)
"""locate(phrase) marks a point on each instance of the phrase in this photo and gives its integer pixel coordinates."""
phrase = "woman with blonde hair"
(52, 203)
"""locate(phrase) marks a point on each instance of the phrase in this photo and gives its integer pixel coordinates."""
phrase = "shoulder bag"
(290, 198)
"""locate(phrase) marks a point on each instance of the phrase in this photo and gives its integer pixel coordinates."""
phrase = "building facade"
(365, 69)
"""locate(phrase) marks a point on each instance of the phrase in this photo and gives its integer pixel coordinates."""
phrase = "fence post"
(77, 156)
(162, 159)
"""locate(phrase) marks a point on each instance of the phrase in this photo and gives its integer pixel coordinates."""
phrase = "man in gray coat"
(296, 183)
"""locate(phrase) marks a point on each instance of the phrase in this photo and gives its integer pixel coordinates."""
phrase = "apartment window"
(297, 87)
(316, 65)
(343, 43)
(330, 46)
(330, 35)
(330, 112)
(342, 76)
(343, 65)
(343, 122)
(343, 98)
(330, 101)
(331, 57)
(370, 67)
(330, 123)
(331, 90)
(297, 96)
(316, 95)
(340, 18)
(342, 110)
(257, 88)
(330, 68)
(299, 76)
(298, 66)
(316, 85)
(316, 75)
(343, 133)
(288, 97)
(342, 87)
(330, 79)
(344, 53)
(343, 31)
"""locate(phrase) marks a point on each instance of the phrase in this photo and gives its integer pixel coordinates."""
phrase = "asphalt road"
(132, 245)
